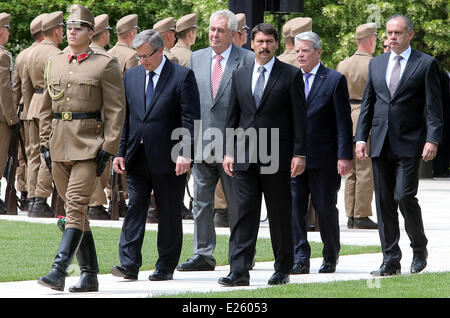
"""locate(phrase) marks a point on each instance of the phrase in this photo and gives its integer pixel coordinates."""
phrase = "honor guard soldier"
(38, 119)
(86, 94)
(240, 37)
(9, 121)
(96, 209)
(38, 36)
(167, 29)
(359, 183)
(126, 29)
(186, 29)
(290, 30)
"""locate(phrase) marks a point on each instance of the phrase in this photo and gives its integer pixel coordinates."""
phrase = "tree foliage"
(335, 21)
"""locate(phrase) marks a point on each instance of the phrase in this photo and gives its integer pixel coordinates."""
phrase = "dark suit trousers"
(168, 189)
(323, 184)
(396, 182)
(249, 186)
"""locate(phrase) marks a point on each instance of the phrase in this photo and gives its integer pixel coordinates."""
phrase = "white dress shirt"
(405, 54)
(268, 66)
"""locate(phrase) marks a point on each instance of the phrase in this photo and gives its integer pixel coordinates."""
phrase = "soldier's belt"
(355, 101)
(72, 116)
(39, 90)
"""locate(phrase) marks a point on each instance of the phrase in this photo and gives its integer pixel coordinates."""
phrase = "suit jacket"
(412, 116)
(175, 104)
(282, 106)
(329, 120)
(214, 112)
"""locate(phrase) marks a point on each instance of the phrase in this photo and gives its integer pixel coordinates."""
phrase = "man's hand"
(429, 151)
(344, 166)
(228, 165)
(361, 151)
(119, 165)
(298, 165)
(183, 165)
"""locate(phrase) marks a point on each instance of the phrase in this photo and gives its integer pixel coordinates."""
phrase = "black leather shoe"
(235, 279)
(300, 268)
(419, 262)
(387, 269)
(120, 271)
(196, 263)
(364, 223)
(278, 278)
(327, 267)
(350, 223)
(2, 207)
(160, 275)
(98, 213)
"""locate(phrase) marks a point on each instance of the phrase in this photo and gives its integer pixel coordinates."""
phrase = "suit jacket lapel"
(140, 79)
(410, 67)
(166, 73)
(318, 80)
(382, 69)
(273, 78)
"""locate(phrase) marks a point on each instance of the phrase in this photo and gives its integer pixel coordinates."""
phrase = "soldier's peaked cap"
(127, 23)
(80, 15)
(5, 18)
(165, 25)
(101, 24)
(186, 22)
(52, 20)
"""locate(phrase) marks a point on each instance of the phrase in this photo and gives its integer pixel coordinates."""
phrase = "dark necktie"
(307, 75)
(259, 87)
(149, 91)
(395, 75)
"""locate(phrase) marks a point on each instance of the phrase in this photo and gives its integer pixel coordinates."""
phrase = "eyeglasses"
(147, 56)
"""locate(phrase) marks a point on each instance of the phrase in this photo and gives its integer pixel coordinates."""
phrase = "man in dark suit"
(330, 151)
(213, 67)
(161, 97)
(402, 109)
(267, 102)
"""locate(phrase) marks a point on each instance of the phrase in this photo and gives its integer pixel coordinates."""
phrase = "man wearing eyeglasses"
(161, 97)
(8, 113)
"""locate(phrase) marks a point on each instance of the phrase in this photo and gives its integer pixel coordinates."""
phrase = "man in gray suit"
(213, 67)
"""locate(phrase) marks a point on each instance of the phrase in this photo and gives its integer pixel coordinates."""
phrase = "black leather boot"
(87, 260)
(41, 209)
(67, 248)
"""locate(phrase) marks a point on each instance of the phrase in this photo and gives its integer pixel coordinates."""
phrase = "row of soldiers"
(34, 180)
(23, 85)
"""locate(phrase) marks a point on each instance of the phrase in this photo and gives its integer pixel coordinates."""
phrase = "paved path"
(434, 198)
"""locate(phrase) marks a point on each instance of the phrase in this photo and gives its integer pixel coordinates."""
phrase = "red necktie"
(216, 75)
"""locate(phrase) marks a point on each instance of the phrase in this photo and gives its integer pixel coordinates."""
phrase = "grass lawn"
(427, 285)
(27, 249)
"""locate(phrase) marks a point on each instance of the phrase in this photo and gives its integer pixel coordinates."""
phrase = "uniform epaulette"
(103, 53)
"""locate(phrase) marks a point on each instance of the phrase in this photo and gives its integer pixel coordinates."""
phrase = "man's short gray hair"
(148, 36)
(230, 16)
(407, 20)
(314, 38)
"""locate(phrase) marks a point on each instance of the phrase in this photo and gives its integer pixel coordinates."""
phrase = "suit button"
(69, 85)
(68, 99)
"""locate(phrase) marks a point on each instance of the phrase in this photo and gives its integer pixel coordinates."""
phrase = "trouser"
(39, 182)
(75, 182)
(359, 188)
(98, 196)
(205, 180)
(396, 182)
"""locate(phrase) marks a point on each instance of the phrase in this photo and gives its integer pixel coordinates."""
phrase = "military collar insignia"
(79, 58)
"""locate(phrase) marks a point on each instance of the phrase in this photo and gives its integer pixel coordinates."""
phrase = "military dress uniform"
(167, 25)
(290, 29)
(124, 53)
(8, 111)
(86, 96)
(359, 183)
(35, 27)
(181, 50)
(98, 199)
(38, 120)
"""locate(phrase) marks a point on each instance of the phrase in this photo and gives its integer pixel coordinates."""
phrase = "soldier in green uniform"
(86, 94)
